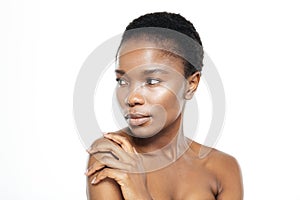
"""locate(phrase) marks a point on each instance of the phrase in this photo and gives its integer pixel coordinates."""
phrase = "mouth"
(137, 119)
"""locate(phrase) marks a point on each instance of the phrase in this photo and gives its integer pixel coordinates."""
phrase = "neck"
(163, 148)
(160, 140)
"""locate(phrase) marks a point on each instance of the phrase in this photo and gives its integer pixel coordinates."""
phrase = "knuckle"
(102, 143)
(104, 171)
(125, 175)
(105, 159)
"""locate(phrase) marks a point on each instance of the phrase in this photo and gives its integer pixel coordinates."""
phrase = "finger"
(136, 153)
(99, 154)
(101, 144)
(121, 140)
(117, 175)
(107, 161)
(108, 146)
(93, 168)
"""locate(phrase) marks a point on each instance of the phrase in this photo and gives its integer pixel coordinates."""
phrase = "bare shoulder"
(214, 159)
(221, 161)
(107, 188)
(228, 173)
(226, 170)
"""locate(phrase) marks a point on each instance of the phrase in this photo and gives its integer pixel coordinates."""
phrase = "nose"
(134, 98)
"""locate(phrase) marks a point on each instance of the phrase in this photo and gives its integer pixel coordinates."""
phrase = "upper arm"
(106, 189)
(230, 179)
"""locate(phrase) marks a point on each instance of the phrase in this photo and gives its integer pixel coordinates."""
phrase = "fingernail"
(94, 180)
(135, 151)
(86, 172)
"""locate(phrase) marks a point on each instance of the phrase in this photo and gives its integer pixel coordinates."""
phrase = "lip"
(137, 119)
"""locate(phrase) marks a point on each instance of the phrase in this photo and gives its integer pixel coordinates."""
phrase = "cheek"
(170, 101)
(169, 98)
(120, 94)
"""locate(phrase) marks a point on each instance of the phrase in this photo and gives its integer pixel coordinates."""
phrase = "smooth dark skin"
(216, 176)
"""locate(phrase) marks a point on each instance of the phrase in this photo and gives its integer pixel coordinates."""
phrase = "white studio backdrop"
(254, 45)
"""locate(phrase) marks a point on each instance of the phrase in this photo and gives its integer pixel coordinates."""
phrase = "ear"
(192, 84)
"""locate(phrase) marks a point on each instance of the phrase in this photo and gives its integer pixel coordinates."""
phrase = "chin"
(144, 132)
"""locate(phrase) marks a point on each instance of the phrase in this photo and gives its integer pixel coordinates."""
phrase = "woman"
(159, 64)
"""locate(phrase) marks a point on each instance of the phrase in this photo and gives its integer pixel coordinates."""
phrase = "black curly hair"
(192, 52)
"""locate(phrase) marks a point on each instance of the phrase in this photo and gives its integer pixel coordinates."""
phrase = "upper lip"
(136, 115)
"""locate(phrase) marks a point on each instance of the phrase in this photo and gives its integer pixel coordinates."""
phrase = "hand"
(124, 166)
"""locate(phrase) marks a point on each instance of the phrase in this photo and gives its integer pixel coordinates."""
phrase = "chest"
(182, 181)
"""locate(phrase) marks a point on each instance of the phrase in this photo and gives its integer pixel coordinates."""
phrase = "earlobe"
(192, 84)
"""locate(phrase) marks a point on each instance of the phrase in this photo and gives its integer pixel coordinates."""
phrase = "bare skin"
(116, 157)
(217, 176)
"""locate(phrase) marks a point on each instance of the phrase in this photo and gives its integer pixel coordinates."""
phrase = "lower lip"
(138, 121)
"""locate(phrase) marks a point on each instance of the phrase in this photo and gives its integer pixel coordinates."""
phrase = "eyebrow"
(120, 71)
(156, 70)
(145, 72)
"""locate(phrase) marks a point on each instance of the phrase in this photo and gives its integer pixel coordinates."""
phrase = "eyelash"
(148, 81)
(119, 81)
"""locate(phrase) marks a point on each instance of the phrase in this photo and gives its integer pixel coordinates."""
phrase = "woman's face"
(150, 88)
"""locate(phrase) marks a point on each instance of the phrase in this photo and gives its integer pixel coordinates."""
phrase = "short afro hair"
(192, 52)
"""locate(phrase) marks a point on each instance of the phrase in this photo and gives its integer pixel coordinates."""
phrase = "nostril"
(134, 98)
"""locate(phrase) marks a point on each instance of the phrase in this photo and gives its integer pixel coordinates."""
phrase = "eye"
(121, 82)
(152, 81)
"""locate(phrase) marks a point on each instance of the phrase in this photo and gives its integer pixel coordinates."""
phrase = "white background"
(254, 44)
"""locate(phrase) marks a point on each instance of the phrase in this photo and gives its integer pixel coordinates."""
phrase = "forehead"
(141, 54)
